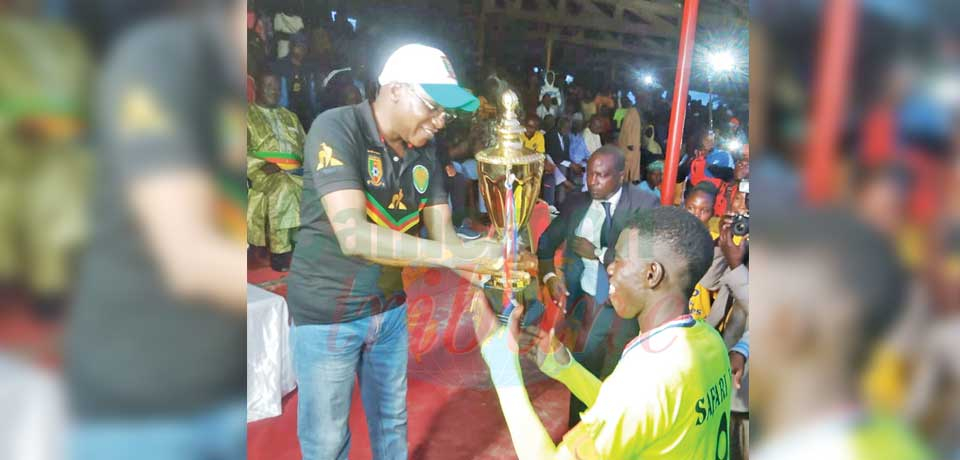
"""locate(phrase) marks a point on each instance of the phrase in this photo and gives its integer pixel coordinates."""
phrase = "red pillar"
(678, 111)
(829, 99)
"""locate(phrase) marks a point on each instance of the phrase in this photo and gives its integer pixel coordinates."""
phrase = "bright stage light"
(647, 79)
(734, 145)
(722, 61)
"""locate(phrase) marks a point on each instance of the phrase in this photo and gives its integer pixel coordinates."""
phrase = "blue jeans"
(327, 357)
(219, 433)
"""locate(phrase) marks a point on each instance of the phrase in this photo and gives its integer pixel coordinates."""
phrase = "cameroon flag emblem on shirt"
(421, 178)
(375, 170)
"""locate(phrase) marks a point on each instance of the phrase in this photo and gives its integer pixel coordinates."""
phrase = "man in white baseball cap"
(431, 70)
(372, 180)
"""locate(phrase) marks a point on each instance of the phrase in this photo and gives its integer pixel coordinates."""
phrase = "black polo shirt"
(344, 150)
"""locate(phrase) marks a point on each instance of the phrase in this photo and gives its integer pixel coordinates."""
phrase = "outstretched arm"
(359, 237)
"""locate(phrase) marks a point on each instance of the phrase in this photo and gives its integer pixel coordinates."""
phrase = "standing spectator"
(547, 107)
(630, 141)
(286, 23)
(298, 84)
(588, 107)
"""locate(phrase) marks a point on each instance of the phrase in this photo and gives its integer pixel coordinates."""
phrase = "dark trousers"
(606, 336)
(457, 187)
(549, 189)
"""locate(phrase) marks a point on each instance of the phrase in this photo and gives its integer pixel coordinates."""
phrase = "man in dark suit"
(558, 149)
(590, 224)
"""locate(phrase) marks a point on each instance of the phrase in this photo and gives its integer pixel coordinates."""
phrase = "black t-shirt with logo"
(344, 151)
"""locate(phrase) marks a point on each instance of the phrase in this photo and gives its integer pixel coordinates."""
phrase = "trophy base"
(523, 295)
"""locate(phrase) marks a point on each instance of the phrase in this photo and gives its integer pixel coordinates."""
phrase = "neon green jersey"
(668, 398)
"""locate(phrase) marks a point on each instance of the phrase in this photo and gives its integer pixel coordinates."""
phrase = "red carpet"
(453, 413)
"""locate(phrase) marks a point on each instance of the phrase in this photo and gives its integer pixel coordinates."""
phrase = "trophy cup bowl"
(509, 170)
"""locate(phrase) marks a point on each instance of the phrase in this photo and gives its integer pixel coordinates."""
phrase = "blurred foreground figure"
(33, 412)
(830, 288)
(44, 170)
(156, 338)
(932, 401)
(274, 169)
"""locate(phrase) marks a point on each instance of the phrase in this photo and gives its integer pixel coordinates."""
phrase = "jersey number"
(723, 440)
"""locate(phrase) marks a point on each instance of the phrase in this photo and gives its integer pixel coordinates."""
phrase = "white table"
(270, 373)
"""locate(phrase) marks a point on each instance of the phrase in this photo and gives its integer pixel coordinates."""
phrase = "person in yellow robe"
(274, 159)
(630, 141)
(45, 170)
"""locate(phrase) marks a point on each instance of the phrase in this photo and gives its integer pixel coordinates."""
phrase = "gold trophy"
(510, 178)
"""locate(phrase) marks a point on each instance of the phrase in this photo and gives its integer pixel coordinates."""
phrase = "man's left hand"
(583, 248)
(500, 346)
(451, 171)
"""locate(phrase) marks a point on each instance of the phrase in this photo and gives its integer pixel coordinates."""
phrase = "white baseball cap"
(429, 68)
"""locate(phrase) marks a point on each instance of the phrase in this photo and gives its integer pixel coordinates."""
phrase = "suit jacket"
(564, 228)
(554, 149)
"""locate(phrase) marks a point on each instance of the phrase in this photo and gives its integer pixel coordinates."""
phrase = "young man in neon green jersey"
(669, 396)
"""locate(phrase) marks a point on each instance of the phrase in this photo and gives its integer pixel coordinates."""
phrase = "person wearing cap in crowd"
(274, 156)
(654, 176)
(372, 179)
(297, 80)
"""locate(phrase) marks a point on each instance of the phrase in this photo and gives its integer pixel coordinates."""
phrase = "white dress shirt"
(590, 228)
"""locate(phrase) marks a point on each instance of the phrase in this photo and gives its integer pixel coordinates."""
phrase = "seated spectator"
(654, 176)
(338, 90)
(533, 139)
(274, 154)
(581, 147)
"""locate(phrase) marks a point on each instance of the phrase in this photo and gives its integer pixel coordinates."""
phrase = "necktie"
(603, 284)
(561, 141)
(607, 224)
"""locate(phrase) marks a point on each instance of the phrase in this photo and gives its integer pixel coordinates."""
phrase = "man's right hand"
(558, 291)
(270, 168)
